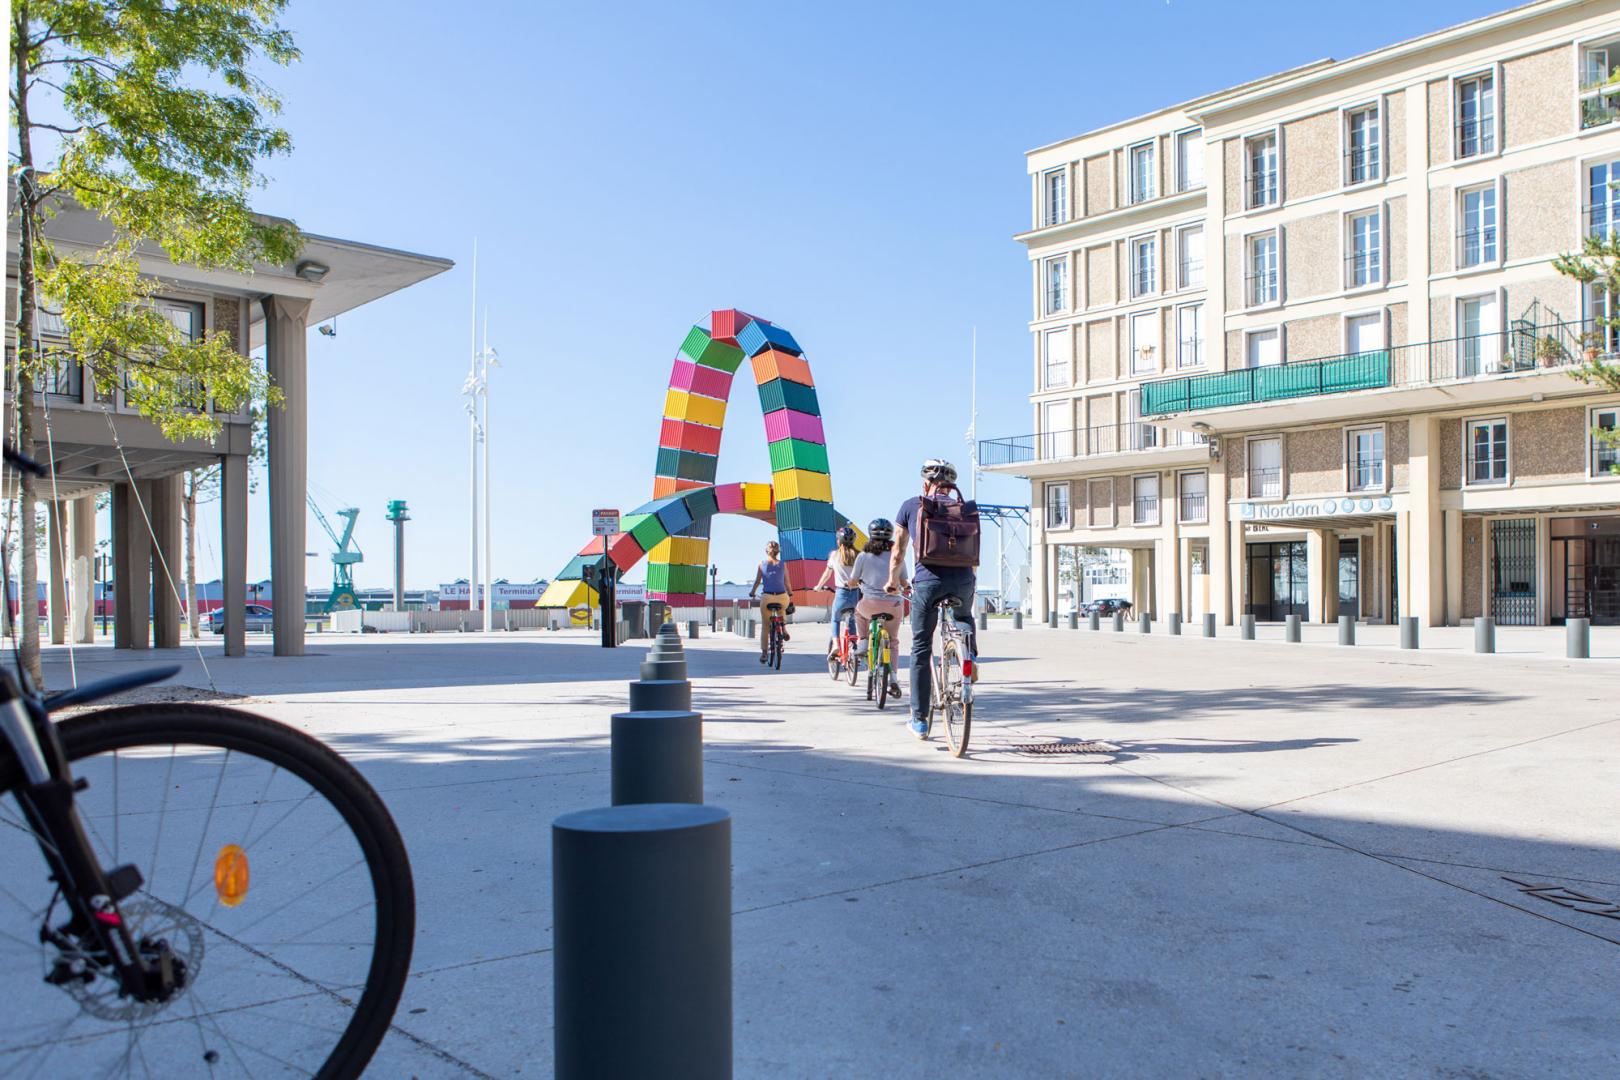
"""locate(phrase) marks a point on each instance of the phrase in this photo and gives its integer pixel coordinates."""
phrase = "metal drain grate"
(1564, 896)
(1049, 749)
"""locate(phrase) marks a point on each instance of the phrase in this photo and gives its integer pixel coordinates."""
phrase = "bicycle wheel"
(272, 870)
(835, 666)
(883, 677)
(958, 714)
(776, 647)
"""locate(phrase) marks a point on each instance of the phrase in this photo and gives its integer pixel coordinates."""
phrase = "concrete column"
(1454, 566)
(1039, 557)
(1401, 552)
(285, 361)
(168, 567)
(1425, 554)
(56, 592)
(233, 522)
(132, 570)
(1170, 556)
(1543, 551)
(1316, 576)
(82, 608)
(1218, 565)
(1142, 581)
(1237, 572)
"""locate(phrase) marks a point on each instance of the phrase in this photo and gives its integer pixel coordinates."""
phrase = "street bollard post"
(1578, 639)
(1018, 619)
(984, 620)
(1248, 627)
(1119, 622)
(1209, 624)
(692, 629)
(1074, 620)
(1484, 634)
(641, 962)
(1144, 624)
(1409, 632)
(657, 757)
(1347, 629)
(1291, 630)
(1173, 624)
(1051, 620)
(1094, 620)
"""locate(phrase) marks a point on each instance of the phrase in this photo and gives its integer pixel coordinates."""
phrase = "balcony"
(1069, 446)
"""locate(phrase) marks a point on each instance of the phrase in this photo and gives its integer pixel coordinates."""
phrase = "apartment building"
(1299, 347)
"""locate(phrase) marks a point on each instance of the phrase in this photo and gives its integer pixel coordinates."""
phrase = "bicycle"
(953, 678)
(221, 894)
(776, 630)
(879, 659)
(844, 659)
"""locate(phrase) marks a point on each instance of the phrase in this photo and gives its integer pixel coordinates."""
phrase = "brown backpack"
(947, 533)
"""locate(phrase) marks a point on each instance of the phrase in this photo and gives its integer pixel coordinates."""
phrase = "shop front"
(1585, 569)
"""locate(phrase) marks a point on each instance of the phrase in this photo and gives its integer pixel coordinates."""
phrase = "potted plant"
(1591, 341)
(1551, 352)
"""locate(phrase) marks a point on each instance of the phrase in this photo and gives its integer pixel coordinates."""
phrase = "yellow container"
(680, 405)
(756, 497)
(681, 551)
(802, 484)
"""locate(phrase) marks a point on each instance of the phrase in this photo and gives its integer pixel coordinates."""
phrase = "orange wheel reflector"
(231, 875)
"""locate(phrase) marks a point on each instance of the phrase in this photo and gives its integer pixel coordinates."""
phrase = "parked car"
(257, 616)
(1106, 607)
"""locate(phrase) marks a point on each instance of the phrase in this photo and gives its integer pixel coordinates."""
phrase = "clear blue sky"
(853, 172)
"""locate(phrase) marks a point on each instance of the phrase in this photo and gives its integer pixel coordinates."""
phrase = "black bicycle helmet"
(846, 535)
(880, 529)
(939, 471)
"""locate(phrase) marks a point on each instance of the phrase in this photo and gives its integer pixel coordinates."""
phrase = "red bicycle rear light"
(967, 667)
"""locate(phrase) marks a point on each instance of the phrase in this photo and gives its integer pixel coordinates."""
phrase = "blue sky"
(853, 172)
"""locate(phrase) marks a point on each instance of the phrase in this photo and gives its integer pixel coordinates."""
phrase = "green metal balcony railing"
(1223, 389)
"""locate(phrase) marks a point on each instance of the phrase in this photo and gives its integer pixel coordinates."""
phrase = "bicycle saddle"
(883, 616)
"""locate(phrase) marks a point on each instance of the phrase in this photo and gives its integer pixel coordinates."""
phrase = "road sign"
(604, 522)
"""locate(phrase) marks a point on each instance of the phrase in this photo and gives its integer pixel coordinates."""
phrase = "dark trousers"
(925, 593)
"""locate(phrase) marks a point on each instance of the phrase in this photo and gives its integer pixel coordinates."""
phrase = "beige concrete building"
(1298, 345)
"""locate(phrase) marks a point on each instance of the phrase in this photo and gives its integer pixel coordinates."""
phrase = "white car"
(257, 616)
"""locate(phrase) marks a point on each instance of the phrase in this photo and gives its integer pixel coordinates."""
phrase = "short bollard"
(1484, 634)
(1248, 627)
(660, 695)
(1409, 632)
(692, 629)
(1209, 624)
(1173, 624)
(984, 620)
(1578, 639)
(1144, 624)
(1094, 620)
(1347, 629)
(1119, 622)
(1074, 620)
(641, 902)
(1291, 630)
(1051, 620)
(1018, 619)
(657, 757)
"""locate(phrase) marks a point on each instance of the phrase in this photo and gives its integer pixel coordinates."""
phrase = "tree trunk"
(27, 225)
(188, 507)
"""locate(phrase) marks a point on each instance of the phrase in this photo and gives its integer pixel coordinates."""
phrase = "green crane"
(342, 597)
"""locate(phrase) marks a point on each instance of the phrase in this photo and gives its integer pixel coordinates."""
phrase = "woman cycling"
(871, 572)
(840, 572)
(772, 574)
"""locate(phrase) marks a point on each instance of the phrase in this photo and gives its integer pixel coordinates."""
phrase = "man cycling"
(929, 586)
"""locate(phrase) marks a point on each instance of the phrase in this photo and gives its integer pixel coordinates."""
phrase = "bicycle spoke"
(202, 837)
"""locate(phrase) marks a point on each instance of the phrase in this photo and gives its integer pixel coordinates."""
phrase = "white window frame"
(1182, 282)
(1181, 497)
(1158, 498)
(1488, 365)
(1054, 214)
(1249, 302)
(1344, 327)
(1133, 197)
(1592, 471)
(1135, 244)
(1062, 304)
(1611, 208)
(1065, 366)
(1178, 149)
(1057, 443)
(1381, 173)
(1469, 424)
(1457, 81)
(1275, 132)
(1590, 305)
(1051, 488)
(1202, 360)
(1381, 280)
(1350, 434)
(1153, 363)
(1282, 467)
(1281, 330)
(1595, 92)
(1498, 209)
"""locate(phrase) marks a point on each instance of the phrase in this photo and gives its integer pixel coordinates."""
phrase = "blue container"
(806, 544)
(756, 337)
(806, 514)
(672, 513)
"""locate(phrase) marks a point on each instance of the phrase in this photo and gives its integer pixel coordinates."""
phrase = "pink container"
(711, 382)
(787, 424)
(680, 377)
(729, 498)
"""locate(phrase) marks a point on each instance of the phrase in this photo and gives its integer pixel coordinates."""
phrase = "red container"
(725, 325)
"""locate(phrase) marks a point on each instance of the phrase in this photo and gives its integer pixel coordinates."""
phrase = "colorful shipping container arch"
(672, 531)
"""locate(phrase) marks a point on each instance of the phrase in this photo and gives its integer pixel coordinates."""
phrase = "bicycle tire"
(776, 650)
(291, 753)
(854, 665)
(958, 713)
(835, 664)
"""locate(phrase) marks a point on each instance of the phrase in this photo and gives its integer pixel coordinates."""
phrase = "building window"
(1057, 284)
(1366, 258)
(1600, 84)
(1262, 272)
(1054, 359)
(1145, 499)
(1055, 197)
(1364, 334)
(1477, 234)
(1262, 348)
(1265, 468)
(1487, 451)
(1479, 334)
(1260, 171)
(1057, 506)
(1363, 139)
(1193, 496)
(1603, 199)
(1144, 266)
(1140, 435)
(1190, 257)
(1142, 187)
(1189, 160)
(1605, 453)
(1365, 455)
(1057, 430)
(1144, 342)
(1190, 336)
(1476, 116)
(1600, 315)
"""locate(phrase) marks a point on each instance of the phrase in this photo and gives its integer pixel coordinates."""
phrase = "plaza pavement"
(1292, 864)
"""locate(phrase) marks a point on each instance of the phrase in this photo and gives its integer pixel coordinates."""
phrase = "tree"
(1598, 263)
(147, 113)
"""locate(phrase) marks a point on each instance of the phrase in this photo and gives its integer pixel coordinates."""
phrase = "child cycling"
(840, 573)
(876, 575)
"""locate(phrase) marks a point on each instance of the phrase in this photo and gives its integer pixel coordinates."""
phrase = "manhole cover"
(1066, 746)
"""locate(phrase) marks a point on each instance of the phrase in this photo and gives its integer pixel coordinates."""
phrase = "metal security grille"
(1513, 572)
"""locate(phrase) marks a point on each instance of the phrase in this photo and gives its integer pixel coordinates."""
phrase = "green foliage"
(1598, 264)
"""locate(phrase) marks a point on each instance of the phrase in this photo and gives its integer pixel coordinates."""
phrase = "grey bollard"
(1074, 620)
(1578, 638)
(691, 629)
(1409, 632)
(657, 757)
(1018, 619)
(1209, 624)
(1174, 624)
(1347, 630)
(641, 915)
(984, 620)
(1485, 634)
(1248, 627)
(660, 695)
(1119, 622)
(1094, 620)
(1291, 630)
(1144, 624)
(1051, 620)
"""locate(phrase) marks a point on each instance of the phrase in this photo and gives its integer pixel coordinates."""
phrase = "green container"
(785, 394)
(646, 528)
(695, 466)
(673, 578)
(701, 349)
(669, 460)
(798, 454)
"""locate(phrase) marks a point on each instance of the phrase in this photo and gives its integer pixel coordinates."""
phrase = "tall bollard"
(657, 757)
(1209, 624)
(1051, 620)
(1248, 627)
(1144, 624)
(1174, 624)
(1347, 630)
(984, 620)
(1018, 619)
(1291, 630)
(641, 902)
(1094, 620)
(692, 629)
(1074, 620)
(1409, 632)
(1578, 639)
(1119, 622)
(1484, 634)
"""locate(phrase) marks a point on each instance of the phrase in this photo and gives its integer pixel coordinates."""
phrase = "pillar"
(1218, 563)
(1039, 557)
(1425, 553)
(1454, 565)
(1142, 581)
(132, 570)
(56, 592)
(286, 364)
(168, 567)
(82, 605)
(1401, 551)
(1170, 557)
(233, 521)
(1237, 571)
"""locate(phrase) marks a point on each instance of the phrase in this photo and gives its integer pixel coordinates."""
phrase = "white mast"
(973, 425)
(471, 390)
(489, 557)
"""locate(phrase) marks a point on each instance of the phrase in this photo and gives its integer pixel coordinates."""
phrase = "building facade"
(1299, 346)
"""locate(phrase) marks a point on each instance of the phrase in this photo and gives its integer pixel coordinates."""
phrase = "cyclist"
(772, 575)
(875, 576)
(932, 584)
(840, 565)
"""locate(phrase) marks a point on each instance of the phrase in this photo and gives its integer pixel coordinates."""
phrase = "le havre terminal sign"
(1315, 508)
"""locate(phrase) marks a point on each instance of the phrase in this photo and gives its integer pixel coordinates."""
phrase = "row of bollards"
(642, 898)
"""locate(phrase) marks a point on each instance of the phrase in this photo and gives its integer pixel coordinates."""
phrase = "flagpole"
(472, 432)
(973, 426)
(489, 555)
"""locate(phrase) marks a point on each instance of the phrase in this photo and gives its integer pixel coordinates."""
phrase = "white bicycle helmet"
(939, 471)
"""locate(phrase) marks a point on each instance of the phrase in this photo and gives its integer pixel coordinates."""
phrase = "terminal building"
(1299, 346)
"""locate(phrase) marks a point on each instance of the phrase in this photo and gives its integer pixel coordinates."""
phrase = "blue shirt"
(773, 577)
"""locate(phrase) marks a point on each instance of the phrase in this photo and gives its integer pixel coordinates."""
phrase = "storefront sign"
(1315, 508)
